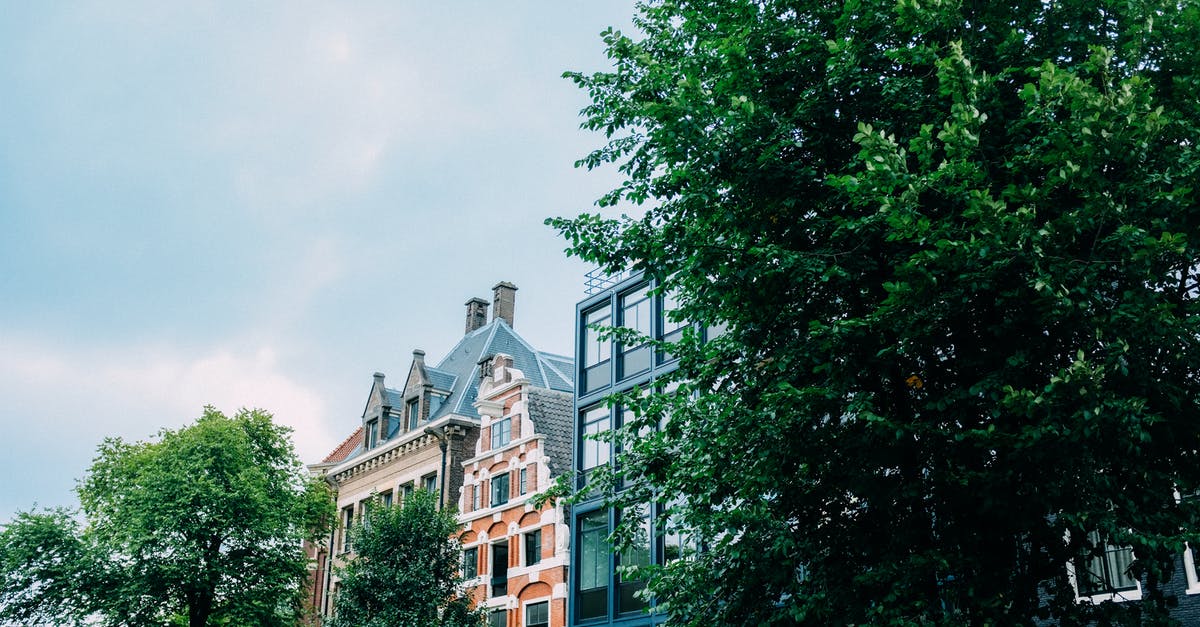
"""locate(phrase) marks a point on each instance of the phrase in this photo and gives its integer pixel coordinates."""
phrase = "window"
(522, 482)
(501, 433)
(676, 543)
(597, 353)
(1104, 570)
(537, 614)
(498, 618)
(414, 413)
(637, 554)
(429, 483)
(386, 498)
(500, 569)
(533, 547)
(372, 434)
(347, 522)
(500, 489)
(594, 567)
(671, 329)
(471, 563)
(635, 314)
(406, 491)
(595, 452)
(475, 497)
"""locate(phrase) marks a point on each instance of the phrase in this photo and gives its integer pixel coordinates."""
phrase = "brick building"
(515, 553)
(420, 434)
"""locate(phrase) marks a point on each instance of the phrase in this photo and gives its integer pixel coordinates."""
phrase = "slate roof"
(552, 414)
(544, 370)
(458, 374)
(347, 449)
(393, 398)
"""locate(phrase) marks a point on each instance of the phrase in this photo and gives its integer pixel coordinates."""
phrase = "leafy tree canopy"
(955, 245)
(405, 571)
(201, 527)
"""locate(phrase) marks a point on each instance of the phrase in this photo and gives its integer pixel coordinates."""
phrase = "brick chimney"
(504, 300)
(476, 314)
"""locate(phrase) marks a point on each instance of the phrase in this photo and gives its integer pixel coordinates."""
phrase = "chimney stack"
(503, 301)
(476, 313)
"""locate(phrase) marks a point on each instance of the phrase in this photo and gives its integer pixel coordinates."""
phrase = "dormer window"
(372, 434)
(413, 412)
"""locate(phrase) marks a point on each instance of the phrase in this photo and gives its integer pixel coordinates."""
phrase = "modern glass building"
(598, 594)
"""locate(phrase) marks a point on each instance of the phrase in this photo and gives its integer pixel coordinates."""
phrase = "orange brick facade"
(520, 552)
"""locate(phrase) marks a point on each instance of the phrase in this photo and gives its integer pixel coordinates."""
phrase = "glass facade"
(604, 590)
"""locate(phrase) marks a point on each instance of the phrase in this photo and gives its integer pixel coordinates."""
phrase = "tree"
(406, 569)
(201, 527)
(955, 248)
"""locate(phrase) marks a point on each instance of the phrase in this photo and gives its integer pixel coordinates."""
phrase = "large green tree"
(202, 526)
(406, 569)
(955, 245)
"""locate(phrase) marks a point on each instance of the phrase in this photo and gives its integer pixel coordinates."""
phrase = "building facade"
(599, 596)
(515, 553)
(421, 434)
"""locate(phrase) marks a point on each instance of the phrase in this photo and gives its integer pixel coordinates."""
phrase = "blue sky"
(261, 204)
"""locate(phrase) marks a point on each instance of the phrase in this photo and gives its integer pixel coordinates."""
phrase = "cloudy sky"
(261, 204)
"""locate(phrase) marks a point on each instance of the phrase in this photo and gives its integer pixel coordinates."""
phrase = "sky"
(261, 204)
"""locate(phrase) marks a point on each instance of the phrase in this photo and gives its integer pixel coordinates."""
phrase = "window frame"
(471, 560)
(642, 306)
(597, 353)
(1115, 594)
(535, 602)
(532, 555)
(502, 437)
(494, 563)
(497, 491)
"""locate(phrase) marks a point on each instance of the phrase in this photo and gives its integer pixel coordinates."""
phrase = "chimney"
(476, 314)
(503, 301)
(379, 378)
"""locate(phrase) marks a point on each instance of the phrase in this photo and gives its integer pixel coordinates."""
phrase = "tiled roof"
(551, 412)
(346, 448)
(439, 379)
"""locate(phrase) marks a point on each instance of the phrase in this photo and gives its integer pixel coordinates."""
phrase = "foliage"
(406, 569)
(201, 527)
(955, 247)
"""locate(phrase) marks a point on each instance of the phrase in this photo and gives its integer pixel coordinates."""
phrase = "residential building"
(514, 552)
(422, 433)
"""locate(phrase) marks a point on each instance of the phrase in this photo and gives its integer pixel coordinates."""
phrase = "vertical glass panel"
(595, 452)
(676, 542)
(414, 413)
(635, 314)
(1106, 572)
(594, 568)
(597, 353)
(533, 547)
(636, 554)
(498, 618)
(471, 563)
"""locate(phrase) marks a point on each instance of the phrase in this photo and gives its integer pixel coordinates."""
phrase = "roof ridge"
(560, 373)
(331, 457)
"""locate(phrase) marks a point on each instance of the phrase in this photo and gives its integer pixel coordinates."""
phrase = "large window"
(533, 547)
(597, 353)
(596, 452)
(635, 314)
(595, 569)
(1105, 570)
(537, 614)
(500, 489)
(498, 618)
(636, 555)
(500, 568)
(430, 483)
(501, 433)
(471, 563)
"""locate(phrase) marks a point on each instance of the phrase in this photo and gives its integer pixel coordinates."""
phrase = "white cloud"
(132, 392)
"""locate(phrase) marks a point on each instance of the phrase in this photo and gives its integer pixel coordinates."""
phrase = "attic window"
(413, 412)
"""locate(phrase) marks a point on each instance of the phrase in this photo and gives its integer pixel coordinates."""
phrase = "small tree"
(406, 570)
(202, 527)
